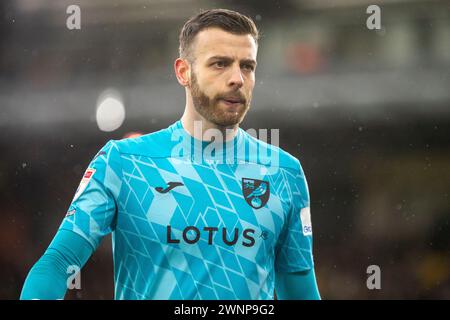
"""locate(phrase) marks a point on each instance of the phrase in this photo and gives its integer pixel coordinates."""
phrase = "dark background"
(367, 112)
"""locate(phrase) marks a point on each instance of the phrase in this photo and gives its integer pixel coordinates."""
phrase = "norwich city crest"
(256, 192)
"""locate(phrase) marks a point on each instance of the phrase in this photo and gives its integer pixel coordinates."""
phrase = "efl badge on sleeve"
(84, 182)
(256, 192)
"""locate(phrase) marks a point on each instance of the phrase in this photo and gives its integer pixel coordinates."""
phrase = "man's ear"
(182, 71)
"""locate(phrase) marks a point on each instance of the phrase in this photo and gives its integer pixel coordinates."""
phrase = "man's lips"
(233, 100)
(232, 106)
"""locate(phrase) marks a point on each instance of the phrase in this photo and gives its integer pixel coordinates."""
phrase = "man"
(199, 210)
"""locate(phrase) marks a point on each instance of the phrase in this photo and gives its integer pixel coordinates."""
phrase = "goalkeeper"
(198, 210)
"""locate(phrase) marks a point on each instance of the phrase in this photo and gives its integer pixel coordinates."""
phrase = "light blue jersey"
(188, 223)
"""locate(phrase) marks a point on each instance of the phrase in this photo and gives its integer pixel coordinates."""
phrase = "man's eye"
(219, 64)
(249, 67)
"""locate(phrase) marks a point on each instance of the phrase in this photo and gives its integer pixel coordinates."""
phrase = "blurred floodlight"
(132, 135)
(110, 110)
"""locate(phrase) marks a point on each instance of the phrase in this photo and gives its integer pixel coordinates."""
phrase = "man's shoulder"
(269, 153)
(154, 144)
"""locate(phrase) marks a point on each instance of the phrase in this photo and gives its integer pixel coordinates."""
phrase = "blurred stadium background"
(367, 112)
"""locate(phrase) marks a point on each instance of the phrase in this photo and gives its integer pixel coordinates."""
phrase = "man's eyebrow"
(251, 61)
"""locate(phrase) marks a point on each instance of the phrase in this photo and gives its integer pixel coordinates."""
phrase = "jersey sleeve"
(92, 212)
(48, 278)
(294, 247)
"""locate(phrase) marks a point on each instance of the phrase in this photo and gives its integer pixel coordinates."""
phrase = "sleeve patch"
(84, 182)
(305, 216)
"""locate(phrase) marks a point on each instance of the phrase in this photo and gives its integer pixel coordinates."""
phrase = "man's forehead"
(216, 42)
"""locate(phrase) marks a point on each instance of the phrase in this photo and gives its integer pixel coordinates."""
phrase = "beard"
(215, 110)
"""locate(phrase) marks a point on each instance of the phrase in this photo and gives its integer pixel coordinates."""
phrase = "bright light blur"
(110, 111)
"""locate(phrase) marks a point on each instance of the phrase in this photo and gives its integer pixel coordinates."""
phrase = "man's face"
(223, 75)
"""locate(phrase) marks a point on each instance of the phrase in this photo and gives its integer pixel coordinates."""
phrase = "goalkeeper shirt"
(195, 220)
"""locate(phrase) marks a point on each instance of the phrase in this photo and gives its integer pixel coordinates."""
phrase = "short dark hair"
(227, 20)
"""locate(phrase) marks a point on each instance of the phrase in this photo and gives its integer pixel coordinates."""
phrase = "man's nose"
(236, 77)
